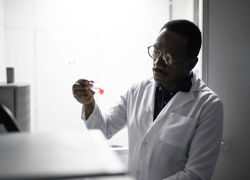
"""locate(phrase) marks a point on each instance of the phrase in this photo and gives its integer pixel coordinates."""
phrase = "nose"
(159, 62)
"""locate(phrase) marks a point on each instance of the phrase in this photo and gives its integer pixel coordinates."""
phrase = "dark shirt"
(161, 100)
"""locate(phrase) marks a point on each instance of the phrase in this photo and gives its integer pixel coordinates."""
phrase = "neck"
(171, 87)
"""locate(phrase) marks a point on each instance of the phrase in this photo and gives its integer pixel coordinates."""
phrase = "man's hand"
(84, 95)
(82, 92)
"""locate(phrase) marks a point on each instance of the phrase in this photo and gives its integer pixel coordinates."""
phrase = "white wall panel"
(2, 57)
(47, 14)
(183, 9)
(95, 14)
(19, 52)
(18, 13)
(57, 110)
(1, 13)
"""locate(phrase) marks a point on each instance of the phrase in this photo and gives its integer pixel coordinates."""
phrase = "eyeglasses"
(155, 53)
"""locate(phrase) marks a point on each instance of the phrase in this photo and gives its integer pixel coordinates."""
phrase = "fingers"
(83, 81)
(85, 98)
(81, 84)
(82, 92)
(82, 97)
(80, 87)
(88, 92)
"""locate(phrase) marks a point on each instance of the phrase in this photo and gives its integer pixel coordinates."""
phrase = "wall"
(2, 57)
(183, 9)
(19, 42)
(228, 75)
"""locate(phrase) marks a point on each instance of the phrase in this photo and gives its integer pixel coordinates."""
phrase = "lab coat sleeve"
(110, 123)
(204, 147)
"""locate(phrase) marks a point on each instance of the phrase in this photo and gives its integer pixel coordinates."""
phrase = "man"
(174, 120)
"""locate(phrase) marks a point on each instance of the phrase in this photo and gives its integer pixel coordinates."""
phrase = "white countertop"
(57, 155)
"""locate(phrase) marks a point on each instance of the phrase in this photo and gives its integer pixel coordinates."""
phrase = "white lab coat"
(183, 143)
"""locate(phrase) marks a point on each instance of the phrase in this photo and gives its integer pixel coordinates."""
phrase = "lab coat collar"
(180, 99)
(198, 84)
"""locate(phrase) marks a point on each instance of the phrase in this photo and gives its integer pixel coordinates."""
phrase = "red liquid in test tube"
(95, 88)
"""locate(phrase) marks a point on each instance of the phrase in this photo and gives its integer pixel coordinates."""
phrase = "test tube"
(96, 88)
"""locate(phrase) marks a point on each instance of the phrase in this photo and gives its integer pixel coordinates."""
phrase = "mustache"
(158, 70)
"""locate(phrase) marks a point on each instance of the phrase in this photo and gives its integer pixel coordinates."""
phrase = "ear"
(192, 62)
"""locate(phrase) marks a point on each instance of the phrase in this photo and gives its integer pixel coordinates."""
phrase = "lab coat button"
(145, 143)
(138, 172)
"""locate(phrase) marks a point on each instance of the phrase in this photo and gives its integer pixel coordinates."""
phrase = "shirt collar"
(184, 87)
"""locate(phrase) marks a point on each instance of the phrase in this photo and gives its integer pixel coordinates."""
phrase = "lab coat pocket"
(177, 130)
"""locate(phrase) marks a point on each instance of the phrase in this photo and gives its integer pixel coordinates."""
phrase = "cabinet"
(16, 96)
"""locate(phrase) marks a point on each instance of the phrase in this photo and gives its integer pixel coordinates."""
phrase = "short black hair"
(189, 30)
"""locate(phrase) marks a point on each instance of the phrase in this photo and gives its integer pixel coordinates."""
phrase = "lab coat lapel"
(150, 94)
(180, 99)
